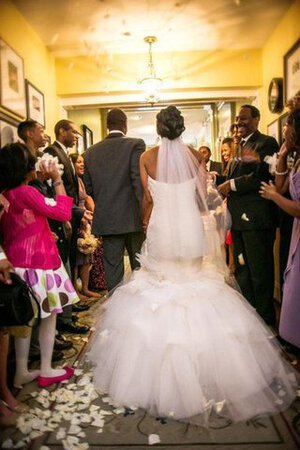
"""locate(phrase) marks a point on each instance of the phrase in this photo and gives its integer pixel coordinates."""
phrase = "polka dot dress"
(53, 288)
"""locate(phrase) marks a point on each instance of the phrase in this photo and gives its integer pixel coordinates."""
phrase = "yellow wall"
(39, 65)
(89, 117)
(281, 40)
(202, 69)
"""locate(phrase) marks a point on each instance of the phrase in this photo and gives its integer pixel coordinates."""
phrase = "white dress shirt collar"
(116, 131)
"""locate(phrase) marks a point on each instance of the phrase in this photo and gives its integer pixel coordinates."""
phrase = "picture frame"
(35, 103)
(273, 130)
(8, 130)
(12, 86)
(292, 71)
(282, 121)
(87, 137)
(80, 145)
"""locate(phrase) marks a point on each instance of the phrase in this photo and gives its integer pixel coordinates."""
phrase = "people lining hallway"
(75, 158)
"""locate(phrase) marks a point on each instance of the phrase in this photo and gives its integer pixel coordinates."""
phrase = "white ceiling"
(91, 27)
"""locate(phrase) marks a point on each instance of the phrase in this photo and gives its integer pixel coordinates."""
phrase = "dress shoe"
(62, 344)
(47, 381)
(80, 308)
(71, 328)
(74, 318)
(56, 356)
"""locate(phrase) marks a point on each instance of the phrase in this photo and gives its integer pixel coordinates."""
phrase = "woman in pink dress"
(289, 325)
(31, 249)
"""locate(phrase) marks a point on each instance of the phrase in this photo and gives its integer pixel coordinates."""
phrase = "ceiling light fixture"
(151, 83)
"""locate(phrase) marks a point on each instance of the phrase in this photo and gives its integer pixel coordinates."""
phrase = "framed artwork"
(292, 71)
(8, 130)
(12, 89)
(282, 121)
(80, 144)
(273, 130)
(35, 103)
(87, 137)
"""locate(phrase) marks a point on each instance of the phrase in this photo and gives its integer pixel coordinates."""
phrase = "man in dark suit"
(211, 166)
(112, 178)
(66, 135)
(253, 218)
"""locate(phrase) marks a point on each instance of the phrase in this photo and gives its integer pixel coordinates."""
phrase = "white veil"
(176, 164)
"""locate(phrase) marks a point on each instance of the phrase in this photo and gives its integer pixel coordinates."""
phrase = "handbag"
(16, 302)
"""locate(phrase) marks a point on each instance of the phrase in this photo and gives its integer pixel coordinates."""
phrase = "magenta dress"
(30, 246)
(289, 325)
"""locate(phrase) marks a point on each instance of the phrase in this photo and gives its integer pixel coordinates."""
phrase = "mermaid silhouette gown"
(178, 341)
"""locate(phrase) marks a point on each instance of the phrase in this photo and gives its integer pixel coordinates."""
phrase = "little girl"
(30, 247)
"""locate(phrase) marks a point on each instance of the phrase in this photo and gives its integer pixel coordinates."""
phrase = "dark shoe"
(74, 318)
(80, 308)
(56, 356)
(71, 328)
(62, 344)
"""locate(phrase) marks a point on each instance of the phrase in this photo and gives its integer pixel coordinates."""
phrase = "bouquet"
(87, 243)
(43, 162)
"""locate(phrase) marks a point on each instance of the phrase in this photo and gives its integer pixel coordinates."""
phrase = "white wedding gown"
(178, 341)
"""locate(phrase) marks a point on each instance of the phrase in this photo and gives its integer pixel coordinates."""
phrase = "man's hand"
(224, 188)
(5, 269)
(68, 229)
(55, 237)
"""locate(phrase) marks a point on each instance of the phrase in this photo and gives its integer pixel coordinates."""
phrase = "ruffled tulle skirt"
(189, 350)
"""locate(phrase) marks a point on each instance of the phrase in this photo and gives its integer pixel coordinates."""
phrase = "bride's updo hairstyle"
(170, 123)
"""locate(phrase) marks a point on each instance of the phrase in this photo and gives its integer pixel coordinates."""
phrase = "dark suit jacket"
(69, 178)
(112, 178)
(216, 167)
(246, 202)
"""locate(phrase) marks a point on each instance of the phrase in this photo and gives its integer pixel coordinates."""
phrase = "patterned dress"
(30, 246)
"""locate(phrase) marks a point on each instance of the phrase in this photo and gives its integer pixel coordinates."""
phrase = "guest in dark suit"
(112, 178)
(66, 137)
(253, 218)
(211, 166)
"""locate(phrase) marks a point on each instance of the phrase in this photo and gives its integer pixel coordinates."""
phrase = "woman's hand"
(268, 191)
(50, 170)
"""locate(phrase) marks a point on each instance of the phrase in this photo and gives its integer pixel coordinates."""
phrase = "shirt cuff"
(2, 255)
(232, 185)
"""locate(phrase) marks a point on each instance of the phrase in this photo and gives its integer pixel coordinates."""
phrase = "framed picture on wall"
(87, 137)
(12, 90)
(292, 71)
(8, 130)
(80, 144)
(282, 121)
(272, 130)
(35, 103)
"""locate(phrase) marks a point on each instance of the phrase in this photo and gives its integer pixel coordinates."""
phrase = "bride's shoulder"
(150, 154)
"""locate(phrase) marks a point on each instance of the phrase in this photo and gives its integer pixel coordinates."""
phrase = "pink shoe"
(47, 381)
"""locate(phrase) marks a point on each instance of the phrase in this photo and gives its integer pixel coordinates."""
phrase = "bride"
(176, 339)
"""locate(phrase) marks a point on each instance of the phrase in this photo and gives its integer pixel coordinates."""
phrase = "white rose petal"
(104, 333)
(120, 410)
(50, 201)
(153, 439)
(61, 434)
(74, 429)
(241, 259)
(8, 444)
(244, 217)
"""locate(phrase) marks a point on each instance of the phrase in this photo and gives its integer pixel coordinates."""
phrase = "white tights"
(46, 340)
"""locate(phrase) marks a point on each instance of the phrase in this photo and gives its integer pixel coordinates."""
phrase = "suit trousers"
(254, 269)
(114, 246)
